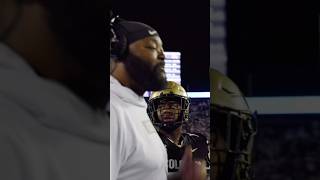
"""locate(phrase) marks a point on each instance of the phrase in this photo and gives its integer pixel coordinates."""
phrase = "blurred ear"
(29, 1)
(10, 14)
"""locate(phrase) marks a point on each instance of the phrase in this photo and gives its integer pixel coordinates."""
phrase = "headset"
(118, 38)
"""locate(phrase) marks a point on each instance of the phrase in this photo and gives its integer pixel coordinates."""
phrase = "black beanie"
(136, 30)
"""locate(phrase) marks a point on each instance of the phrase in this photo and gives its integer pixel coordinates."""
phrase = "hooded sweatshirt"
(137, 152)
(47, 132)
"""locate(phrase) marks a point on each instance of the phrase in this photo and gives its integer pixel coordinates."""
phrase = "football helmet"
(159, 99)
(233, 127)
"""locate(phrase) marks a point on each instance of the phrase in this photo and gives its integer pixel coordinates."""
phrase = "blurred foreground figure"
(53, 73)
(233, 128)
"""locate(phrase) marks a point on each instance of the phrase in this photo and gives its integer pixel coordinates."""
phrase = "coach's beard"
(146, 77)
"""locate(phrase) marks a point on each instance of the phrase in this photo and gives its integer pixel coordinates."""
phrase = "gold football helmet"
(233, 128)
(172, 93)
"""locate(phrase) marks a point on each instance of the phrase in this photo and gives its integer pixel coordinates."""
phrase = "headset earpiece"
(118, 39)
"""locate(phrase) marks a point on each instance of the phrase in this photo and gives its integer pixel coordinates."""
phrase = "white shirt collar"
(125, 93)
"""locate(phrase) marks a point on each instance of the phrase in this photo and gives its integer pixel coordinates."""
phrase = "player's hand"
(189, 170)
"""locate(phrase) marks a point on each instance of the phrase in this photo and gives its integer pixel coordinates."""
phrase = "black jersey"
(199, 146)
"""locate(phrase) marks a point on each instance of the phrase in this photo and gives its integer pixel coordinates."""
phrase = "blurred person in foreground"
(137, 152)
(169, 110)
(233, 128)
(53, 90)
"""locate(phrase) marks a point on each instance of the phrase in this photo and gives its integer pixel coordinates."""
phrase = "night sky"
(183, 27)
(273, 46)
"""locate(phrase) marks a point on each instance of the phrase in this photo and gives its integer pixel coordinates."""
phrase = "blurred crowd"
(199, 121)
(288, 151)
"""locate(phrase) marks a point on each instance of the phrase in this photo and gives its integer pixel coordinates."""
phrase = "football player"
(169, 110)
(233, 129)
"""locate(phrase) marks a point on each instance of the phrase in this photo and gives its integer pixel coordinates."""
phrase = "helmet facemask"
(232, 142)
(168, 112)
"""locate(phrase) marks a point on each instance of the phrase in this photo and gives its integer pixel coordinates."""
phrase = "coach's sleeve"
(117, 141)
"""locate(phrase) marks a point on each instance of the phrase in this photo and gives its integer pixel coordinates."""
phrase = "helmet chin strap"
(170, 127)
(15, 21)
